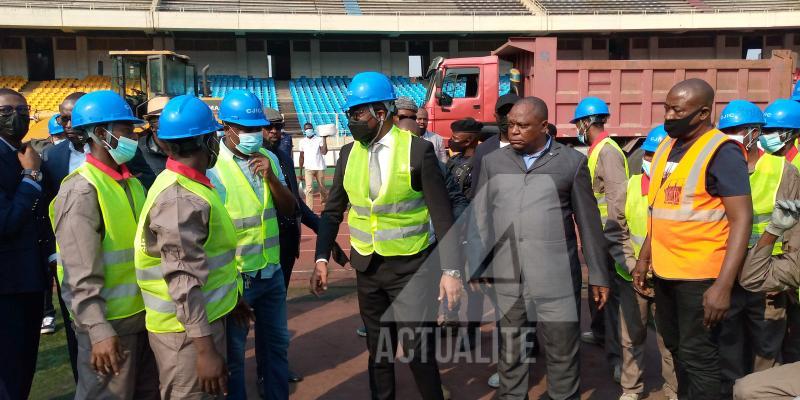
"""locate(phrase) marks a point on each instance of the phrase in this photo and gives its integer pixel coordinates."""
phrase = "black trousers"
(400, 306)
(19, 342)
(695, 349)
(69, 331)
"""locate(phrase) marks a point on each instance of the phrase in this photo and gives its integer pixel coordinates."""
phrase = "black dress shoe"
(294, 378)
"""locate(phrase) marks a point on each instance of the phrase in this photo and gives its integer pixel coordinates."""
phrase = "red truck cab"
(459, 88)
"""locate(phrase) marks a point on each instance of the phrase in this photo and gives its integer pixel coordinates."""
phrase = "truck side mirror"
(445, 100)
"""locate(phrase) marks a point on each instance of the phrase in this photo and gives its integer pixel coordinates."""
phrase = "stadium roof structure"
(392, 17)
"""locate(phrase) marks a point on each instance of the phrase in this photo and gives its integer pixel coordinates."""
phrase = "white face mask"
(738, 138)
(646, 167)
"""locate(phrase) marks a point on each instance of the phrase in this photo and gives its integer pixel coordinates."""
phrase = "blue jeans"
(267, 297)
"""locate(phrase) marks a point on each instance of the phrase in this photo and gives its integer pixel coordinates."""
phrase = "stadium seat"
(263, 88)
(12, 82)
(49, 94)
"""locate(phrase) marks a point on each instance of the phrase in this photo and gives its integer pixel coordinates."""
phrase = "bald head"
(527, 125)
(697, 91)
(687, 109)
(534, 105)
(68, 103)
(11, 97)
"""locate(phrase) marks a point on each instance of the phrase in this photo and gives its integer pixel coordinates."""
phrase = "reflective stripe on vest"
(764, 183)
(395, 223)
(602, 203)
(688, 227)
(223, 285)
(636, 216)
(120, 292)
(255, 219)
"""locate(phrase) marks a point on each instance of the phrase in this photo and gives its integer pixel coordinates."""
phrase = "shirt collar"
(86, 148)
(9, 145)
(224, 148)
(542, 151)
(189, 172)
(388, 139)
(597, 140)
(123, 173)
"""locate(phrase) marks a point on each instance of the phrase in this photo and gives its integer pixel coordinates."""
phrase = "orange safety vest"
(687, 226)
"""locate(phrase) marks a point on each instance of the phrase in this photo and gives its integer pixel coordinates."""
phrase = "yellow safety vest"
(255, 219)
(397, 222)
(120, 291)
(602, 203)
(636, 215)
(764, 183)
(796, 160)
(222, 288)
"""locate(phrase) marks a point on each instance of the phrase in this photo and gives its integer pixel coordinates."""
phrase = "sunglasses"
(275, 125)
(8, 110)
(402, 117)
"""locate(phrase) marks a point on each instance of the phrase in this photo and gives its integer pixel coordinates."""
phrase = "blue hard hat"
(242, 107)
(588, 107)
(654, 138)
(102, 107)
(782, 113)
(369, 87)
(740, 112)
(53, 127)
(796, 91)
(184, 117)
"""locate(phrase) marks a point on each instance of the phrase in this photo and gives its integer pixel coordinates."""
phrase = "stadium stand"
(274, 6)
(90, 4)
(12, 82)
(49, 94)
(614, 6)
(321, 100)
(752, 5)
(264, 88)
(352, 7)
(444, 7)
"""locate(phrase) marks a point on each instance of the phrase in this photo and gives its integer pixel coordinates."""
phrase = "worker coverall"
(79, 229)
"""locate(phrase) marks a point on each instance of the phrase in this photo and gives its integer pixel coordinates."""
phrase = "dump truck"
(635, 90)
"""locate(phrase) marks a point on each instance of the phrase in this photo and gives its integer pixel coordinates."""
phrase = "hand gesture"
(318, 283)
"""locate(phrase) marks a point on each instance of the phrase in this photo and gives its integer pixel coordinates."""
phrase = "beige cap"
(155, 105)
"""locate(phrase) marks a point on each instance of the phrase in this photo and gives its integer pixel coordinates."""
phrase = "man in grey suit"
(533, 192)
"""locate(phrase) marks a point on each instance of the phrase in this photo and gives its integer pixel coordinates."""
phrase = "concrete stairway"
(286, 105)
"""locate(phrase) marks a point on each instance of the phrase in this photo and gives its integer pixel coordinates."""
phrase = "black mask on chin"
(679, 128)
(15, 125)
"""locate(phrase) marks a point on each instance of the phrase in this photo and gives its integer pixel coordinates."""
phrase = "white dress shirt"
(76, 158)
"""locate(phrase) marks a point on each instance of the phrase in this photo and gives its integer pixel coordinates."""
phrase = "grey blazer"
(527, 219)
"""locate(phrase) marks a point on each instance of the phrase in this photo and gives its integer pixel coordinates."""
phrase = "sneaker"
(618, 375)
(629, 396)
(362, 331)
(588, 337)
(48, 325)
(494, 381)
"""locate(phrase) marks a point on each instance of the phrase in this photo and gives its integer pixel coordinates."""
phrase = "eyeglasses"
(402, 117)
(8, 110)
(275, 125)
(356, 113)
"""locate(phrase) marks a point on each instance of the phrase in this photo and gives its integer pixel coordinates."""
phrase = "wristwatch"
(34, 174)
(453, 273)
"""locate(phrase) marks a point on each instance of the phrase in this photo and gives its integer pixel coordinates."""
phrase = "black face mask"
(679, 128)
(15, 125)
(362, 132)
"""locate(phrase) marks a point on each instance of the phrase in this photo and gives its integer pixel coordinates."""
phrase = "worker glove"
(784, 216)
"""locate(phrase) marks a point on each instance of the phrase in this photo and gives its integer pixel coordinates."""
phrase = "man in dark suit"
(532, 193)
(23, 274)
(392, 178)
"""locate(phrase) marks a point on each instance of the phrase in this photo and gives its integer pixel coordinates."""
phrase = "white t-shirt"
(313, 159)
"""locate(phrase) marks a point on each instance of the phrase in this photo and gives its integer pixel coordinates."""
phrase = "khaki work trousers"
(775, 383)
(177, 362)
(137, 379)
(311, 176)
(634, 311)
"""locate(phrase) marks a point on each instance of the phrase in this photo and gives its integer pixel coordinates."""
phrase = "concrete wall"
(14, 62)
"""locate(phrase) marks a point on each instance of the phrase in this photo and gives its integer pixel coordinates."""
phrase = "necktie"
(374, 172)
